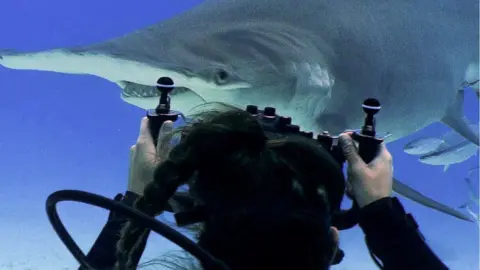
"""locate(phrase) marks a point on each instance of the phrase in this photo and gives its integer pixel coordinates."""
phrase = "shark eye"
(221, 76)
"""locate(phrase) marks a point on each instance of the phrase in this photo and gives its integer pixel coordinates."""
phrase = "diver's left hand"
(145, 157)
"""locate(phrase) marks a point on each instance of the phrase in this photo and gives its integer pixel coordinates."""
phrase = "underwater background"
(62, 131)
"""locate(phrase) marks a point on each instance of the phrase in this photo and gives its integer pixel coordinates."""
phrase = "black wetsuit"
(391, 234)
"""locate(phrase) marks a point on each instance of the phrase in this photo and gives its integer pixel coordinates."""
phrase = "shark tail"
(418, 197)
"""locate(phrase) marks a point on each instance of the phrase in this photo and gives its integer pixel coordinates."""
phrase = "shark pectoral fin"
(416, 196)
(455, 120)
(445, 168)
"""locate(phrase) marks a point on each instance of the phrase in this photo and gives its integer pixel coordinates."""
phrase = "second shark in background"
(450, 149)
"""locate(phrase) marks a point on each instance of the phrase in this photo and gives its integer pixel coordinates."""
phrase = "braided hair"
(270, 197)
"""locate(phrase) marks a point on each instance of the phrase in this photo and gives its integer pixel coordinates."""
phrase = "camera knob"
(165, 84)
(269, 111)
(252, 109)
(283, 121)
(293, 128)
(371, 106)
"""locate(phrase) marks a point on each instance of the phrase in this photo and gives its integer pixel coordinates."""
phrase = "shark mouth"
(135, 90)
(147, 96)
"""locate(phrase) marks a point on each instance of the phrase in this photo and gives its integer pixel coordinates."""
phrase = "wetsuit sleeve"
(102, 253)
(393, 237)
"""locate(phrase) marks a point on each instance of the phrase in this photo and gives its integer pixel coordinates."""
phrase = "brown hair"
(270, 196)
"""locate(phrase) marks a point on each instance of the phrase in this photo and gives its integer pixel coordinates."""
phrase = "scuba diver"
(268, 198)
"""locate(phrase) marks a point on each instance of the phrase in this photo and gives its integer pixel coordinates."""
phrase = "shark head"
(242, 64)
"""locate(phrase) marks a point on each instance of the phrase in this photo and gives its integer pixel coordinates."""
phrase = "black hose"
(132, 214)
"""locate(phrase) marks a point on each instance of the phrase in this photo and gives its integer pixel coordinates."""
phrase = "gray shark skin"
(453, 149)
(314, 60)
(450, 155)
(422, 146)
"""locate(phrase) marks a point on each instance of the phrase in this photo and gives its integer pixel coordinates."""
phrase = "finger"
(350, 182)
(132, 152)
(163, 145)
(145, 143)
(350, 151)
(349, 187)
(350, 177)
(131, 158)
(383, 156)
(145, 135)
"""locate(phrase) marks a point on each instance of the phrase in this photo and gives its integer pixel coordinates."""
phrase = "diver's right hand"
(367, 182)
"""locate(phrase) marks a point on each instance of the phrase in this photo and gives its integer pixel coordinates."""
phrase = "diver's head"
(269, 198)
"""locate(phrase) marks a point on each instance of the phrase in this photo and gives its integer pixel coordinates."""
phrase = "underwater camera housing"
(342, 219)
(271, 122)
(367, 144)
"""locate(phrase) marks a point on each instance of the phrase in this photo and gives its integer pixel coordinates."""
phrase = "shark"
(450, 148)
(454, 149)
(313, 60)
(423, 145)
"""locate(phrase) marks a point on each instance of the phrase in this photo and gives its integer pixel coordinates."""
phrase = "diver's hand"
(144, 156)
(367, 182)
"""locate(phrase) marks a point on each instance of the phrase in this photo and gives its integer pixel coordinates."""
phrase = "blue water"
(73, 132)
